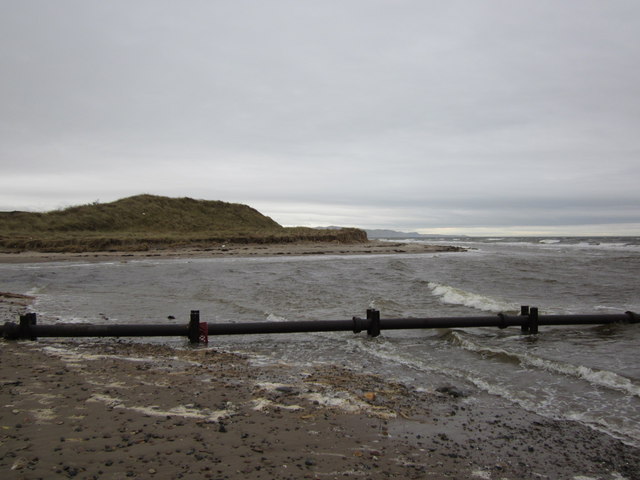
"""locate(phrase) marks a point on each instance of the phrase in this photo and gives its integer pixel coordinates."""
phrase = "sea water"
(590, 374)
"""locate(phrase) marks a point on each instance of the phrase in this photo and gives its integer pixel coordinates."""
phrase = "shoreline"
(116, 409)
(373, 247)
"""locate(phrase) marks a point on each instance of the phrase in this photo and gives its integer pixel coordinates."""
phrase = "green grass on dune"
(148, 221)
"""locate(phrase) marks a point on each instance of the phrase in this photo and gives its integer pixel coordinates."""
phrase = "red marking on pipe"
(204, 332)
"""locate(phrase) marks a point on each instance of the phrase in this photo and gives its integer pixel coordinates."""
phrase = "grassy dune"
(147, 221)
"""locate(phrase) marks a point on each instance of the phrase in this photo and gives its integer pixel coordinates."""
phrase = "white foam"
(481, 474)
(272, 317)
(271, 386)
(260, 404)
(44, 415)
(617, 476)
(457, 296)
(339, 400)
(602, 378)
(187, 411)
(72, 356)
(623, 432)
(521, 398)
(34, 291)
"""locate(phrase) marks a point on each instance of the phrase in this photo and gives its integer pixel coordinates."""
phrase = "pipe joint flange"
(358, 325)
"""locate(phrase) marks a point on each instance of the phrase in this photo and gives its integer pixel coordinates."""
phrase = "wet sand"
(235, 250)
(109, 409)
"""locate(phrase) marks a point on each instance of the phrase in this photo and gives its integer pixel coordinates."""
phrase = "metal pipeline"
(280, 327)
(528, 320)
(79, 330)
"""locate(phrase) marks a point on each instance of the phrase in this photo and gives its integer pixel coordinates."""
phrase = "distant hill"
(142, 221)
(400, 235)
(382, 233)
(392, 234)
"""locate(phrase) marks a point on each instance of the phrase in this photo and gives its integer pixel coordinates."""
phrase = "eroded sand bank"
(236, 250)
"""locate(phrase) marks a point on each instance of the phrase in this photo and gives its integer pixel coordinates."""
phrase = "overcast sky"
(492, 117)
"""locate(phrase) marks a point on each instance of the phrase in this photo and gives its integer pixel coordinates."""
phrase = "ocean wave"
(630, 244)
(522, 398)
(601, 378)
(385, 304)
(622, 431)
(391, 353)
(272, 317)
(457, 296)
(35, 291)
(410, 369)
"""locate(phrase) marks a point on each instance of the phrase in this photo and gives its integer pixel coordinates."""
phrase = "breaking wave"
(272, 317)
(601, 378)
(457, 296)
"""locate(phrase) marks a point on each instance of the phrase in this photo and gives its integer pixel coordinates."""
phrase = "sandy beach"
(373, 247)
(113, 409)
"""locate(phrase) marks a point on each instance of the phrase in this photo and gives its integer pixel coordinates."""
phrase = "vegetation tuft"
(143, 222)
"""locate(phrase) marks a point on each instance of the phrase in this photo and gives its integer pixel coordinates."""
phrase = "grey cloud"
(492, 112)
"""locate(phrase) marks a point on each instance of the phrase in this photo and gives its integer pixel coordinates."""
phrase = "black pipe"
(628, 317)
(281, 327)
(449, 322)
(79, 330)
(503, 321)
(528, 320)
